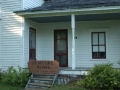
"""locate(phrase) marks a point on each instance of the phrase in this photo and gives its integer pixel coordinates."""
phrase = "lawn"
(55, 87)
(8, 87)
(4, 86)
(66, 87)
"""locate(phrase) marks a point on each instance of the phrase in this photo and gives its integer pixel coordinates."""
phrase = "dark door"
(61, 47)
(32, 44)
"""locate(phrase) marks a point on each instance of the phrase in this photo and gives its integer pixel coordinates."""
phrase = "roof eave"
(97, 10)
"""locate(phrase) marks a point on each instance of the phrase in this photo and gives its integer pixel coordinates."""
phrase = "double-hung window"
(98, 45)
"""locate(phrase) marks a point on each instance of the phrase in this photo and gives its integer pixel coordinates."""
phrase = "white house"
(76, 33)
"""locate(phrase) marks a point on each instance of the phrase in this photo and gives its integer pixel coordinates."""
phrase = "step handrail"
(28, 81)
(56, 75)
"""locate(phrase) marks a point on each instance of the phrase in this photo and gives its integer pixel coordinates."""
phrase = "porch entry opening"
(61, 47)
(32, 44)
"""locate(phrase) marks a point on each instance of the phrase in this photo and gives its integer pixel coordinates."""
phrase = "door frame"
(66, 30)
(29, 42)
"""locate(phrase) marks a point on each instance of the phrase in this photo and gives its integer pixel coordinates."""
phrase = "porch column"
(73, 40)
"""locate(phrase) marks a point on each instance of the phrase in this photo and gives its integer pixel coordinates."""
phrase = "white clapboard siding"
(28, 24)
(45, 50)
(45, 41)
(0, 35)
(0, 9)
(83, 42)
(32, 3)
(11, 34)
(0, 44)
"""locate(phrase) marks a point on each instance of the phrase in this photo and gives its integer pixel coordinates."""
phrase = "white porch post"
(73, 40)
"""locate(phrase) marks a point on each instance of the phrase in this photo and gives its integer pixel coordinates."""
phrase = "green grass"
(66, 87)
(4, 86)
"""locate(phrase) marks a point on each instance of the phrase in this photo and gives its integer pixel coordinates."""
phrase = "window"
(98, 45)
(32, 44)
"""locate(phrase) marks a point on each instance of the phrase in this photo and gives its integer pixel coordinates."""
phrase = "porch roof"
(89, 17)
(72, 4)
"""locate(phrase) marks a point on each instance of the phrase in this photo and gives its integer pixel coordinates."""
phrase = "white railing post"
(73, 40)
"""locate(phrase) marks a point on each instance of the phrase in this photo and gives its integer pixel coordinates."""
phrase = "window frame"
(104, 57)
(31, 51)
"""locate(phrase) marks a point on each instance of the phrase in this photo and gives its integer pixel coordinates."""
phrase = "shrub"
(15, 77)
(0, 76)
(102, 76)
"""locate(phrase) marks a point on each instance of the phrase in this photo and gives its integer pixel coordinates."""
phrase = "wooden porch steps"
(39, 84)
(41, 81)
(45, 79)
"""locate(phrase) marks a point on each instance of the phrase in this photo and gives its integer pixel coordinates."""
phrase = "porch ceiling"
(91, 17)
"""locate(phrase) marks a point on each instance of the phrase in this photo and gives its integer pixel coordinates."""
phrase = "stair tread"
(42, 78)
(45, 77)
(41, 81)
(39, 84)
(45, 74)
(36, 88)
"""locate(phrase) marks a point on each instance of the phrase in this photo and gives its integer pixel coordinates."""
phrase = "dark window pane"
(95, 48)
(63, 60)
(98, 45)
(101, 38)
(32, 39)
(95, 39)
(95, 54)
(102, 48)
(32, 44)
(102, 54)
(63, 35)
(58, 58)
(61, 46)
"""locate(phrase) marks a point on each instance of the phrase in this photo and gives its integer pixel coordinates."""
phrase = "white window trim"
(98, 30)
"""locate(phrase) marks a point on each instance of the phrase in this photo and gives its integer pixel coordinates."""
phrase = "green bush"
(15, 77)
(102, 76)
(0, 76)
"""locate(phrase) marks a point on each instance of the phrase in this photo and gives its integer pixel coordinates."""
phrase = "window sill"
(99, 59)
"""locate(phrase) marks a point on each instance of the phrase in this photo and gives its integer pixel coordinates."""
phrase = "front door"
(61, 47)
(32, 44)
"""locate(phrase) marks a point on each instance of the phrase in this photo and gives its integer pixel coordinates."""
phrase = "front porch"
(77, 71)
(79, 28)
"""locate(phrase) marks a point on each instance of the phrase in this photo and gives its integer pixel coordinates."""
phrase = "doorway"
(32, 44)
(61, 47)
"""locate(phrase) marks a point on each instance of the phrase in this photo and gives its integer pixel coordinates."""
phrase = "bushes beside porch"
(15, 77)
(102, 76)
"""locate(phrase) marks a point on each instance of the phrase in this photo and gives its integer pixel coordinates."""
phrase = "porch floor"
(76, 69)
